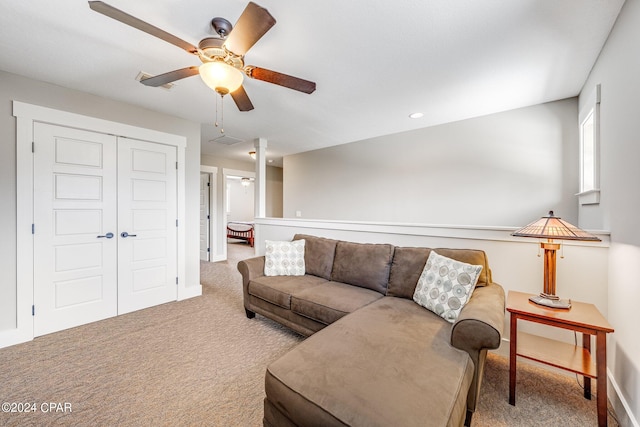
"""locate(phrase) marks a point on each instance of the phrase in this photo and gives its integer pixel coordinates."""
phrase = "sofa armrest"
(479, 328)
(250, 269)
(481, 321)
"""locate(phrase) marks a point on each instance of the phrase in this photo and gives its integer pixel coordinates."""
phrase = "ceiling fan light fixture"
(223, 67)
(221, 77)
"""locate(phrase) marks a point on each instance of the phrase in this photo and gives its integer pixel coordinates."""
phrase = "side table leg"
(586, 344)
(513, 345)
(601, 370)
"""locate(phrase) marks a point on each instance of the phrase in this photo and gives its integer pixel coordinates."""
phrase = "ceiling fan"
(222, 57)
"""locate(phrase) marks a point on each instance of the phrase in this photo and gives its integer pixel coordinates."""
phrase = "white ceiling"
(374, 61)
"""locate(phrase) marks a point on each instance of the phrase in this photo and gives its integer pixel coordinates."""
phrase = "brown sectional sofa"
(385, 360)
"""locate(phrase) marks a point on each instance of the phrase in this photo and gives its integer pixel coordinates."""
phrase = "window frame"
(590, 191)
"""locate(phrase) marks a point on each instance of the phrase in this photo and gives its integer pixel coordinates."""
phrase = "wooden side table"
(581, 317)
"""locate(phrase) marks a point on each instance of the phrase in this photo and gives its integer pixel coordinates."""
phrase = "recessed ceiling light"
(415, 115)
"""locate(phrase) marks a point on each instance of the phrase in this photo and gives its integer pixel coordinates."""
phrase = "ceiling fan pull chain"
(222, 114)
(221, 124)
(216, 100)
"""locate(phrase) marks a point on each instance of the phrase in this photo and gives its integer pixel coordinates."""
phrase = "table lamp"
(551, 227)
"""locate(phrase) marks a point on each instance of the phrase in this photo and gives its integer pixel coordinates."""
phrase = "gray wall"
(13, 87)
(504, 169)
(274, 192)
(242, 201)
(618, 72)
(274, 181)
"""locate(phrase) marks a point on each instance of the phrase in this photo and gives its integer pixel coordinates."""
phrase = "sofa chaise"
(373, 357)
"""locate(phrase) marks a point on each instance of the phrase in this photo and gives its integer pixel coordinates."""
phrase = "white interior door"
(147, 224)
(75, 260)
(204, 217)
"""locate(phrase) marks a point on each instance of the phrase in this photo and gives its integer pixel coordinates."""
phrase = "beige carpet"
(201, 362)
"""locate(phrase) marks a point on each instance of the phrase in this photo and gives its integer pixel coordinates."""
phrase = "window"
(588, 154)
(589, 149)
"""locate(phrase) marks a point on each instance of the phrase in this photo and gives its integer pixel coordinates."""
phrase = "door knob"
(124, 235)
(108, 236)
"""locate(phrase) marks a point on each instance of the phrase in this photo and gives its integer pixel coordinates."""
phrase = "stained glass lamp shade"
(551, 227)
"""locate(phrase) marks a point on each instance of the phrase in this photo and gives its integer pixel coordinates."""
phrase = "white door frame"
(205, 209)
(223, 226)
(215, 254)
(26, 115)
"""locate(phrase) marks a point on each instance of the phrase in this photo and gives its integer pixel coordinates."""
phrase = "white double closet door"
(104, 226)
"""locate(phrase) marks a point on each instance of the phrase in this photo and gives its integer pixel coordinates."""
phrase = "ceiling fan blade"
(125, 18)
(171, 76)
(254, 22)
(241, 99)
(280, 79)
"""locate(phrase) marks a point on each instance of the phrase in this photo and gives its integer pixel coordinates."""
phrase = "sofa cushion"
(445, 285)
(387, 364)
(284, 258)
(318, 255)
(285, 316)
(330, 301)
(363, 264)
(470, 256)
(408, 263)
(406, 267)
(278, 289)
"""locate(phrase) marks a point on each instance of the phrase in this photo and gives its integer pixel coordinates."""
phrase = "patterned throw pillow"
(284, 258)
(445, 285)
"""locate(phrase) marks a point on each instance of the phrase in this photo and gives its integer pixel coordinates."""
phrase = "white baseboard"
(622, 402)
(12, 337)
(190, 292)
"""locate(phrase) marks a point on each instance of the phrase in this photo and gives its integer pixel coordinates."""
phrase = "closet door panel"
(75, 269)
(147, 212)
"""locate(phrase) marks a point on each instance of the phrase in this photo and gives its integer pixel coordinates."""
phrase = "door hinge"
(208, 216)
(33, 229)
(176, 280)
(176, 222)
(208, 249)
(208, 184)
(33, 310)
(33, 147)
(176, 165)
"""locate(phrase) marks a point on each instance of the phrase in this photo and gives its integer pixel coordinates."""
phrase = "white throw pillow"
(445, 285)
(284, 258)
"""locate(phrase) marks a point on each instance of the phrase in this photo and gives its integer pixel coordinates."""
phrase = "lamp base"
(552, 303)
